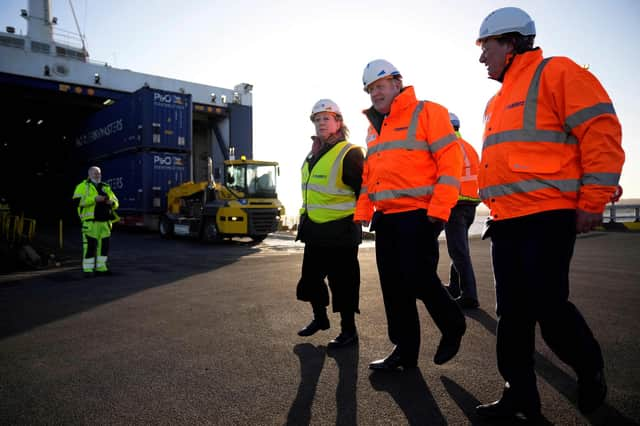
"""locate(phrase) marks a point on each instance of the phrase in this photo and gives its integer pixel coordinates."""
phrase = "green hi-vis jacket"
(87, 192)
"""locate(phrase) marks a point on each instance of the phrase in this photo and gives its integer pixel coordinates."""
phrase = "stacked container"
(143, 145)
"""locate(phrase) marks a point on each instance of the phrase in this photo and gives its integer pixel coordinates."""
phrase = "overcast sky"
(296, 52)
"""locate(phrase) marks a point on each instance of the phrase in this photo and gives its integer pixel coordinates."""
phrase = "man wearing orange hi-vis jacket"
(411, 180)
(551, 160)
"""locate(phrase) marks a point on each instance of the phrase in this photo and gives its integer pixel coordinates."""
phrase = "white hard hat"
(377, 69)
(506, 20)
(455, 121)
(325, 105)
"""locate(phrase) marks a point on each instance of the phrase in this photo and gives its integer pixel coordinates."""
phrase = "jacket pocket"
(535, 163)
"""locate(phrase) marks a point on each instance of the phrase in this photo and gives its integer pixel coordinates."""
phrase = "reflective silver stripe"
(413, 125)
(531, 103)
(399, 193)
(327, 190)
(563, 185)
(332, 187)
(466, 175)
(442, 142)
(528, 135)
(606, 179)
(399, 144)
(101, 261)
(448, 180)
(339, 206)
(577, 118)
(465, 157)
(410, 142)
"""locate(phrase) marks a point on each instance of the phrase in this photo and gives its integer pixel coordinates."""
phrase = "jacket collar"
(405, 99)
(522, 61)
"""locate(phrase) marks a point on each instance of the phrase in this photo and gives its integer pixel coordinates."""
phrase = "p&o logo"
(167, 98)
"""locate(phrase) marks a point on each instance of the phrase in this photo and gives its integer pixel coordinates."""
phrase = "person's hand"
(100, 198)
(586, 221)
(615, 197)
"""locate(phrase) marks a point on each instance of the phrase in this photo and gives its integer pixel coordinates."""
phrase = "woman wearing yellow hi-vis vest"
(96, 205)
(331, 180)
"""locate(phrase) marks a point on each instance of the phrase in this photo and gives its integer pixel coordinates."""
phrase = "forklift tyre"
(258, 238)
(165, 227)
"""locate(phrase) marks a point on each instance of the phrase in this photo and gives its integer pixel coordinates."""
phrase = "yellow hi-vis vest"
(325, 197)
(87, 193)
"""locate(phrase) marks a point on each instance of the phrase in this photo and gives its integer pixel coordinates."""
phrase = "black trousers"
(340, 265)
(407, 256)
(531, 257)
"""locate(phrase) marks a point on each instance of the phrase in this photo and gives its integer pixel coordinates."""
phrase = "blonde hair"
(343, 127)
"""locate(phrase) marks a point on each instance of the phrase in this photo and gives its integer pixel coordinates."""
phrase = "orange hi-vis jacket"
(469, 177)
(414, 163)
(552, 140)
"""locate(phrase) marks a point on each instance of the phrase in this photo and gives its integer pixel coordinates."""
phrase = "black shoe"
(467, 302)
(103, 273)
(504, 408)
(314, 326)
(591, 392)
(88, 274)
(344, 339)
(448, 348)
(392, 362)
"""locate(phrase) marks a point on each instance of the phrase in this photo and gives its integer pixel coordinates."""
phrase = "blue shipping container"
(141, 180)
(145, 119)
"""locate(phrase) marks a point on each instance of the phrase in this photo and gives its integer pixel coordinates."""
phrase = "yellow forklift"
(244, 205)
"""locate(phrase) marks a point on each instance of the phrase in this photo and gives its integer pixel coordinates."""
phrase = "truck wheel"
(165, 227)
(210, 231)
(258, 238)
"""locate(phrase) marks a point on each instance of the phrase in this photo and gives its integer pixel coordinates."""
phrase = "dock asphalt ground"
(185, 333)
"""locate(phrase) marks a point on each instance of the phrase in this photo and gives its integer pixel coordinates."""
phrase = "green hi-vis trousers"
(95, 246)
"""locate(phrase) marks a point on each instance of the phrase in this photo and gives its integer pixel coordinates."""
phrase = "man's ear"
(398, 84)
